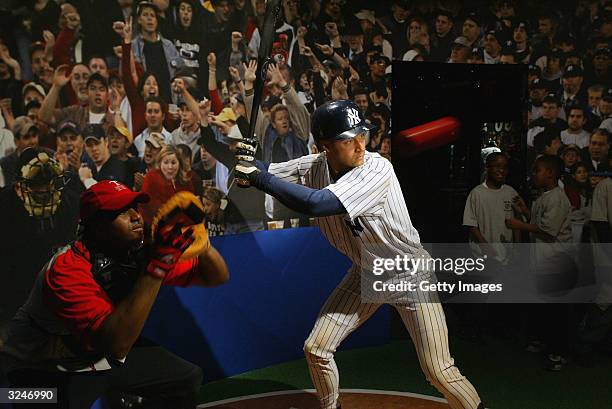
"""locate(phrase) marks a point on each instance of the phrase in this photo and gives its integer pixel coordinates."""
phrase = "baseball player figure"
(357, 203)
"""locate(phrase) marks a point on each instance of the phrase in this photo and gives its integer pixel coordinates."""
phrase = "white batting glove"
(245, 150)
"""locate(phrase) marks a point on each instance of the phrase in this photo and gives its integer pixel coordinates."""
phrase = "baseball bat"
(428, 136)
(263, 61)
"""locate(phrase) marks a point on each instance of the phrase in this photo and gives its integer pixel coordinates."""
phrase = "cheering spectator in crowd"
(537, 93)
(138, 85)
(395, 25)
(96, 111)
(550, 118)
(105, 166)
(187, 34)
(508, 55)
(377, 67)
(376, 135)
(156, 53)
(492, 47)
(115, 83)
(42, 73)
(241, 214)
(362, 99)
(310, 89)
(77, 94)
(595, 93)
(69, 39)
(605, 110)
(520, 37)
(284, 136)
(189, 130)
(573, 93)
(155, 109)
(533, 73)
(169, 177)
(331, 12)
(97, 64)
(442, 39)
(212, 172)
(460, 51)
(552, 68)
(547, 142)
(417, 29)
(367, 24)
(120, 141)
(88, 30)
(570, 154)
(596, 155)
(153, 146)
(218, 28)
(472, 30)
(255, 12)
(71, 153)
(224, 126)
(33, 92)
(547, 30)
(70, 143)
(385, 147)
(187, 155)
(353, 47)
(600, 73)
(575, 134)
(213, 199)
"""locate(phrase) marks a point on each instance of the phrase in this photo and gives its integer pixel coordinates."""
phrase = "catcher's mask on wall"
(40, 180)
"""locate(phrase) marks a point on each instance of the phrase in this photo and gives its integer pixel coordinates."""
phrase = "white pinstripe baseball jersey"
(377, 223)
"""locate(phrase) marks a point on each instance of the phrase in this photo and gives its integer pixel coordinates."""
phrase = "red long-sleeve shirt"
(135, 99)
(160, 190)
(62, 54)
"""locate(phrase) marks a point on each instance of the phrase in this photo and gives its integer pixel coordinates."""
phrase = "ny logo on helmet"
(353, 117)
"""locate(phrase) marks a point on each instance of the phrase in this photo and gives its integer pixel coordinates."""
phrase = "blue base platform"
(262, 315)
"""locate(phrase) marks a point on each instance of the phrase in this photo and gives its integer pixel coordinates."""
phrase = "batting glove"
(246, 173)
(169, 246)
(245, 150)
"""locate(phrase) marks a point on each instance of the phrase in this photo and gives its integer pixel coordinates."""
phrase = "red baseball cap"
(108, 195)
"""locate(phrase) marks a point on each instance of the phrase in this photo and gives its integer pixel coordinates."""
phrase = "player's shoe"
(555, 363)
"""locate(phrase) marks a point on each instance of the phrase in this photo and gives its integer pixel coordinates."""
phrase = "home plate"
(351, 399)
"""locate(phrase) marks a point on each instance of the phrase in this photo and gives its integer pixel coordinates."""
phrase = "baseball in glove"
(185, 210)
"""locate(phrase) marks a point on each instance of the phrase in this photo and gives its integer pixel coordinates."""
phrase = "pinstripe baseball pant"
(344, 312)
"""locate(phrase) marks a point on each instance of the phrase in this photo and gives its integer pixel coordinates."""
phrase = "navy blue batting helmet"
(338, 120)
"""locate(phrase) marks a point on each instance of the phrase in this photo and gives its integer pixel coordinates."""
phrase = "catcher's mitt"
(183, 209)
